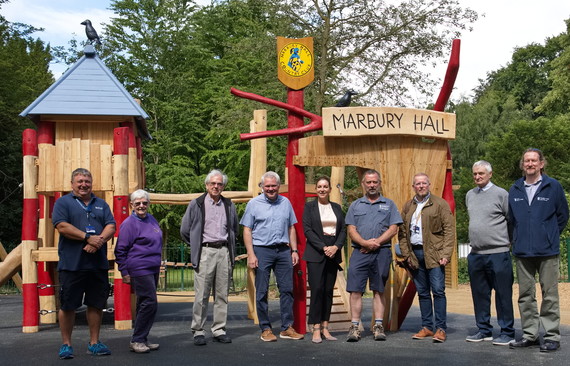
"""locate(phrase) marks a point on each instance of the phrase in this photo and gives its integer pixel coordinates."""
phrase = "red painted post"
(296, 181)
(30, 316)
(123, 317)
(46, 135)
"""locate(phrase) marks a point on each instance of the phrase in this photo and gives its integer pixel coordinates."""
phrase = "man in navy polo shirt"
(85, 224)
(371, 222)
(271, 243)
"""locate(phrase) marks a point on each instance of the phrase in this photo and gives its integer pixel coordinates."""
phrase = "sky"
(503, 26)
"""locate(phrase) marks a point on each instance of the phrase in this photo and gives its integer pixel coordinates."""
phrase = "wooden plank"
(42, 166)
(367, 121)
(95, 164)
(75, 154)
(106, 176)
(59, 167)
(85, 154)
(67, 166)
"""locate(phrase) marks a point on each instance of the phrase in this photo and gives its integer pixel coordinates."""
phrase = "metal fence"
(178, 275)
(463, 250)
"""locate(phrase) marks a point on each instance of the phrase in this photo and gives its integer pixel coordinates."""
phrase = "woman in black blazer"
(323, 222)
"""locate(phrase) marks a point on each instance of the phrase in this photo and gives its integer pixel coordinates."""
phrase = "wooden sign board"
(362, 121)
(295, 60)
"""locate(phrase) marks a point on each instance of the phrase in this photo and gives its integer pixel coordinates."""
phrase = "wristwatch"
(87, 236)
(294, 251)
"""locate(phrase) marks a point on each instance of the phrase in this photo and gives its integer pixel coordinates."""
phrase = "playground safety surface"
(172, 331)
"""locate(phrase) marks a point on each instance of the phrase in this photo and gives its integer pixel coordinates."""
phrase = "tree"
(557, 100)
(381, 48)
(24, 73)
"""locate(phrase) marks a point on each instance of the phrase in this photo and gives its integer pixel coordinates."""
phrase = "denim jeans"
(279, 260)
(428, 282)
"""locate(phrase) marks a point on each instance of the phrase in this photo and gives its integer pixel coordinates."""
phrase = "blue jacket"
(537, 227)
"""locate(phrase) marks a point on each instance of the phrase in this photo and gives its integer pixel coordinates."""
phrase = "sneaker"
(139, 347)
(353, 333)
(423, 333)
(98, 349)
(378, 331)
(502, 340)
(268, 336)
(439, 336)
(65, 352)
(290, 333)
(479, 337)
(152, 346)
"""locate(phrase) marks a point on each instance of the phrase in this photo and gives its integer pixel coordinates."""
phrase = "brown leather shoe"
(423, 333)
(440, 336)
(268, 336)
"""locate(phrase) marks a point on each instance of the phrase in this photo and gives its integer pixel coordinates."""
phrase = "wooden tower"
(86, 119)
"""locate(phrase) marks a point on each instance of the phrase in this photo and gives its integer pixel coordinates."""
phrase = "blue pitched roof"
(88, 88)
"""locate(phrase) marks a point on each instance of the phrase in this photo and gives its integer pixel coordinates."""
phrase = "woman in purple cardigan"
(138, 254)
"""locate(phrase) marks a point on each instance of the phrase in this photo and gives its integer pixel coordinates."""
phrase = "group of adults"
(529, 218)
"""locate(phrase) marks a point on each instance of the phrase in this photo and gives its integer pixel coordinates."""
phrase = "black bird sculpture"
(91, 32)
(345, 100)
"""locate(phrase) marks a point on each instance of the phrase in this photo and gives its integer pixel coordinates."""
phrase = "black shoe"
(200, 340)
(223, 338)
(523, 343)
(549, 346)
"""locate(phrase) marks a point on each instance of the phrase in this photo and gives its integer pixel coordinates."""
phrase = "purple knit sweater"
(139, 246)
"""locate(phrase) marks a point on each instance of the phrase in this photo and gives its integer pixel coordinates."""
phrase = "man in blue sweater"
(538, 211)
(489, 262)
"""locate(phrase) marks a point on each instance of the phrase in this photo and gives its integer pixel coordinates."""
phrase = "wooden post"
(10, 264)
(46, 137)
(123, 318)
(30, 318)
(258, 166)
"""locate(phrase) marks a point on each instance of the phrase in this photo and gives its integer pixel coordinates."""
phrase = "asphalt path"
(172, 331)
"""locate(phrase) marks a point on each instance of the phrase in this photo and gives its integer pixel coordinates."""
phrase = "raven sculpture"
(91, 32)
(345, 100)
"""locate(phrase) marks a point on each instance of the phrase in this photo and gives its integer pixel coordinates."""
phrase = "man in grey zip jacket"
(210, 226)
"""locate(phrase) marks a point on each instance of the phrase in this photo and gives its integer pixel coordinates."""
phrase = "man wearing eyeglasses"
(85, 224)
(210, 226)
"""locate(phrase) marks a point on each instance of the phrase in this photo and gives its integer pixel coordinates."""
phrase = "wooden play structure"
(87, 119)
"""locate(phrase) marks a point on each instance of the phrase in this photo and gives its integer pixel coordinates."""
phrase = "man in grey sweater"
(489, 263)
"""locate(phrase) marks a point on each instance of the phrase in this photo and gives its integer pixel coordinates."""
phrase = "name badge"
(90, 229)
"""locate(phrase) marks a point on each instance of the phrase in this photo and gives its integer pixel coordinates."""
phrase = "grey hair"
(371, 172)
(268, 175)
(485, 164)
(216, 172)
(81, 171)
(420, 175)
(140, 193)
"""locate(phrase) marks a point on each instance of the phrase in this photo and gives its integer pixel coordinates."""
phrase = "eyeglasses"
(143, 203)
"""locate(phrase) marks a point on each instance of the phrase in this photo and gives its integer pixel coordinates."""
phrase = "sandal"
(330, 337)
(317, 339)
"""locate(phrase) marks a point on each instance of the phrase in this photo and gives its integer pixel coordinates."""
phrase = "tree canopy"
(24, 63)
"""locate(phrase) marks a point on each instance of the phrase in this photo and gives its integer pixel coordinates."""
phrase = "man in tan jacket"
(427, 237)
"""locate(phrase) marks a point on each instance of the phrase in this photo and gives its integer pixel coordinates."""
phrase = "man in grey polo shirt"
(371, 221)
(210, 225)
